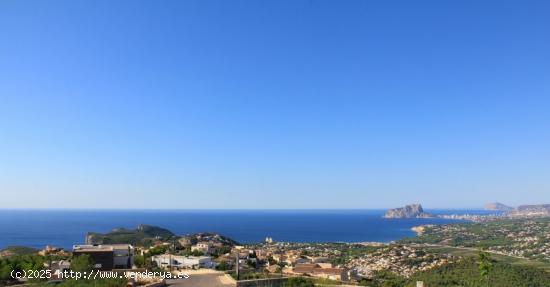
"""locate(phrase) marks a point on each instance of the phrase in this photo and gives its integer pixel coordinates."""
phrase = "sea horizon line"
(220, 209)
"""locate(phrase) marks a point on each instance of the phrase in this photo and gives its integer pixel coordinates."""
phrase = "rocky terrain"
(408, 211)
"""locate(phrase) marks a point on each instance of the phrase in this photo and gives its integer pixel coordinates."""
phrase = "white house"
(204, 247)
(183, 262)
(108, 256)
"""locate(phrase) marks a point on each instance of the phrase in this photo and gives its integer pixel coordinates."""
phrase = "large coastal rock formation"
(496, 206)
(408, 211)
(142, 235)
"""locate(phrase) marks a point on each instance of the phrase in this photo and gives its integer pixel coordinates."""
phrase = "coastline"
(33, 228)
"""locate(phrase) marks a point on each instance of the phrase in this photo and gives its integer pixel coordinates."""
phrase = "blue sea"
(63, 228)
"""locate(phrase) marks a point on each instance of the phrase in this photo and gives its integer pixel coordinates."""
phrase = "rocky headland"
(408, 211)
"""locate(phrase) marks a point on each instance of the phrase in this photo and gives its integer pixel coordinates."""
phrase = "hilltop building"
(107, 257)
(204, 247)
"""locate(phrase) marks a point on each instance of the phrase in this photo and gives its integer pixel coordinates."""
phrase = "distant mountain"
(142, 235)
(408, 211)
(496, 206)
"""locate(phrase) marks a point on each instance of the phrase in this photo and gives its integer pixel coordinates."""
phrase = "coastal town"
(527, 238)
(334, 263)
(216, 260)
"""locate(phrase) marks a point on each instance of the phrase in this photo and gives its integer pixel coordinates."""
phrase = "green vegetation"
(482, 271)
(161, 249)
(299, 282)
(466, 272)
(325, 282)
(143, 235)
(139, 261)
(188, 252)
(464, 252)
(523, 238)
(17, 264)
(485, 266)
(221, 251)
(17, 250)
(384, 279)
(223, 266)
(82, 263)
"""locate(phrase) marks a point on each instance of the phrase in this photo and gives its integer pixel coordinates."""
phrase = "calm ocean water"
(63, 228)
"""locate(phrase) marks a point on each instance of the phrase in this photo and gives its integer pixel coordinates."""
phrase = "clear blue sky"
(274, 104)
